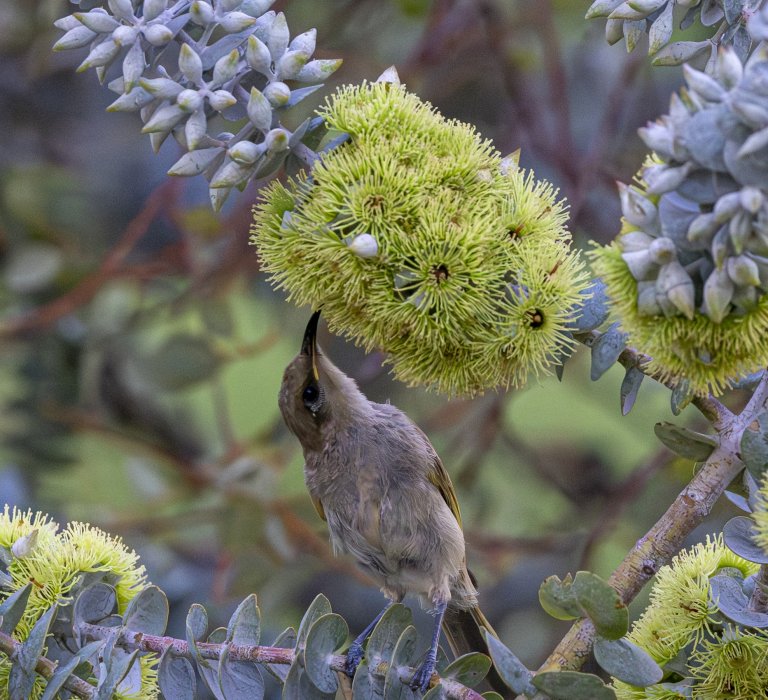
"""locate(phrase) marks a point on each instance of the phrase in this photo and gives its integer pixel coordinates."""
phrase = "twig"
(666, 537)
(46, 668)
(130, 639)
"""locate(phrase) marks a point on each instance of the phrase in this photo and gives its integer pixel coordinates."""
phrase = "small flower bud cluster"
(682, 627)
(695, 237)
(632, 19)
(236, 59)
(417, 238)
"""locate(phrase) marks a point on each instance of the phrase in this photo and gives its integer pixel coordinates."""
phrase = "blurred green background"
(142, 348)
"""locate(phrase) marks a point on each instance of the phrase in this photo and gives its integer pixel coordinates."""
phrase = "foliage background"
(142, 349)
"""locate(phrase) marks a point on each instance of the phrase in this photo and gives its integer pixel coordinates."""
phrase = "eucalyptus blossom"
(234, 60)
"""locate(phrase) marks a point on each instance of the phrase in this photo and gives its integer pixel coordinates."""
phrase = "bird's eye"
(311, 394)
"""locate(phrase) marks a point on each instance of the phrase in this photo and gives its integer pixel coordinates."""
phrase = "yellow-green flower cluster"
(680, 613)
(709, 355)
(416, 237)
(53, 560)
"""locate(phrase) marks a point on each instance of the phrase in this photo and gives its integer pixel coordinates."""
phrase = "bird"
(378, 482)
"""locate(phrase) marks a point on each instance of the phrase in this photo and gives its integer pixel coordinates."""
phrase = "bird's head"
(316, 396)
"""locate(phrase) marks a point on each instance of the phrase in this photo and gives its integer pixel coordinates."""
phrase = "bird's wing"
(319, 507)
(439, 477)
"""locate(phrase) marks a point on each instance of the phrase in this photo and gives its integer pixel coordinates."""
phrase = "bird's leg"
(423, 675)
(355, 651)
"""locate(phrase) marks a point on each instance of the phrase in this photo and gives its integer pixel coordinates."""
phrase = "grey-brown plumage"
(376, 479)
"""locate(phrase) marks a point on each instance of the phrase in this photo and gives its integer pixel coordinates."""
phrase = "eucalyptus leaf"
(558, 599)
(468, 669)
(197, 623)
(602, 604)
(117, 664)
(381, 643)
(512, 671)
(176, 677)
(738, 534)
(727, 593)
(436, 693)
(326, 635)
(218, 636)
(627, 662)
(362, 683)
(245, 624)
(606, 350)
(239, 679)
(292, 684)
(593, 311)
(147, 612)
(95, 603)
(402, 655)
(22, 675)
(754, 446)
(320, 606)
(285, 640)
(64, 671)
(738, 500)
(684, 442)
(630, 386)
(572, 685)
(12, 609)
(680, 397)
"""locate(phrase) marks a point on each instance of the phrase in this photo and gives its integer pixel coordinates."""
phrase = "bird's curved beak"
(309, 343)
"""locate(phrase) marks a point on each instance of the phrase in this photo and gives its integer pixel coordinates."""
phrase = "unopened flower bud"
(189, 100)
(662, 250)
(201, 13)
(277, 140)
(245, 152)
(277, 93)
(25, 545)
(718, 292)
(158, 34)
(364, 245)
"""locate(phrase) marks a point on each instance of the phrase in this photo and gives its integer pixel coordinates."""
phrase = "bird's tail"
(464, 630)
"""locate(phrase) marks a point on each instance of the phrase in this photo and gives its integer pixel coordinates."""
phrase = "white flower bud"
(635, 240)
(677, 285)
(637, 210)
(234, 22)
(703, 84)
(726, 207)
(718, 292)
(277, 93)
(152, 8)
(221, 99)
(258, 57)
(319, 70)
(25, 545)
(75, 39)
(702, 228)
(743, 271)
(259, 110)
(304, 42)
(190, 64)
(663, 178)
(289, 64)
(189, 100)
(246, 152)
(277, 39)
(225, 68)
(663, 250)
(101, 55)
(751, 198)
(98, 21)
(640, 264)
(201, 13)
(364, 245)
(277, 140)
(728, 68)
(122, 9)
(158, 34)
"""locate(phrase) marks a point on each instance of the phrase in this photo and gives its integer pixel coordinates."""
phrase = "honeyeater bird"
(375, 478)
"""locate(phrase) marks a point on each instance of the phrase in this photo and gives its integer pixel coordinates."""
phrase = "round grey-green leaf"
(468, 669)
(754, 446)
(684, 442)
(245, 624)
(512, 671)
(325, 636)
(147, 612)
(558, 599)
(627, 662)
(239, 679)
(572, 685)
(606, 350)
(738, 535)
(320, 606)
(384, 637)
(176, 677)
(728, 594)
(602, 604)
(403, 654)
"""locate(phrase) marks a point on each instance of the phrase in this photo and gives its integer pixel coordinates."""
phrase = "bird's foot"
(354, 657)
(423, 676)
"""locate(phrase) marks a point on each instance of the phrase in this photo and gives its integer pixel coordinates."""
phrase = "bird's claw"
(423, 676)
(354, 657)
